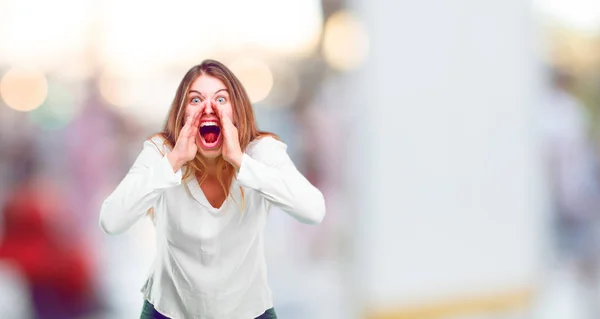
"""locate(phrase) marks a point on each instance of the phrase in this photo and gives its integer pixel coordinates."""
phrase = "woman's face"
(205, 95)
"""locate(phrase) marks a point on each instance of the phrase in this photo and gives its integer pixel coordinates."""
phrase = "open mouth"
(210, 134)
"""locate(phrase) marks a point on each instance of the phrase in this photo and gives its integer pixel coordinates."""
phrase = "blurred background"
(456, 143)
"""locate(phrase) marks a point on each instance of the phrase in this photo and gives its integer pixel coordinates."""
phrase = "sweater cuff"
(246, 175)
(163, 175)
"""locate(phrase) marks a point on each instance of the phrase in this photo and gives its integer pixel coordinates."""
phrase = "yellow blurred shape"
(286, 87)
(501, 302)
(23, 89)
(113, 89)
(345, 41)
(255, 75)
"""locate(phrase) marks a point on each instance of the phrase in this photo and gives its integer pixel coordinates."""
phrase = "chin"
(210, 154)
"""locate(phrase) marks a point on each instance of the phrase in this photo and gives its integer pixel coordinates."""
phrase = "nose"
(208, 108)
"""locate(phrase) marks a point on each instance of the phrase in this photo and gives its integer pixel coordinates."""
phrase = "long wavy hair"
(243, 117)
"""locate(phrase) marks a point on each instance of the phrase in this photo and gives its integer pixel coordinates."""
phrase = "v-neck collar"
(199, 196)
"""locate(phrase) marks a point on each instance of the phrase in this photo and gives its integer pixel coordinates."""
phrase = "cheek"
(228, 110)
(190, 109)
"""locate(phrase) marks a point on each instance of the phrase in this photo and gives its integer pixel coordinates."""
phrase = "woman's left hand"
(230, 147)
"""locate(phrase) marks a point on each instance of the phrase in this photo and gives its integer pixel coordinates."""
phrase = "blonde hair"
(243, 116)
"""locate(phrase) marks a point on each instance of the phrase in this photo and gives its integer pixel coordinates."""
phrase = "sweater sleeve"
(268, 169)
(146, 180)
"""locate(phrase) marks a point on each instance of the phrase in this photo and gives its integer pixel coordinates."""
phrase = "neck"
(211, 166)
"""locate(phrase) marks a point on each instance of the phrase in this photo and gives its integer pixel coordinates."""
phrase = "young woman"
(208, 181)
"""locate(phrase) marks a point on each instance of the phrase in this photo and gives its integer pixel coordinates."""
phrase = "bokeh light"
(114, 89)
(286, 87)
(345, 41)
(279, 27)
(161, 36)
(23, 89)
(255, 75)
(144, 97)
(58, 109)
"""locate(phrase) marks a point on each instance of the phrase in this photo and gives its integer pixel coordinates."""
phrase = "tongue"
(210, 137)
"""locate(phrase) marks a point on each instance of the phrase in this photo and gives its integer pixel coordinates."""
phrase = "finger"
(194, 124)
(200, 112)
(217, 108)
(220, 112)
(223, 119)
(188, 122)
(224, 123)
(191, 119)
(225, 116)
(196, 120)
(227, 119)
(185, 129)
(202, 107)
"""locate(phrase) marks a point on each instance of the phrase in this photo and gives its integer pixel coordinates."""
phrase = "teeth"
(203, 124)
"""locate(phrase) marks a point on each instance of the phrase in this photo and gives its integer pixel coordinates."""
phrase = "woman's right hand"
(185, 147)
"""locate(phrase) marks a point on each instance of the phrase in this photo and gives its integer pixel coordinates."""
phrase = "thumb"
(217, 110)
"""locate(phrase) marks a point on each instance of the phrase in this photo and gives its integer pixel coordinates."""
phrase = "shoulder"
(268, 150)
(265, 145)
(157, 144)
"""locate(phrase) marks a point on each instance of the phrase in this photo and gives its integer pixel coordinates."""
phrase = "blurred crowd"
(62, 155)
(55, 169)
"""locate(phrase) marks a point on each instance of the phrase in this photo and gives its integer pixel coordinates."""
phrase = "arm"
(271, 172)
(149, 176)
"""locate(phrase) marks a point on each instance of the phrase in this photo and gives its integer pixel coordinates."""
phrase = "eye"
(195, 100)
(221, 100)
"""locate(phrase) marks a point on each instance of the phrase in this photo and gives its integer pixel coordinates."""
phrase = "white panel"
(451, 194)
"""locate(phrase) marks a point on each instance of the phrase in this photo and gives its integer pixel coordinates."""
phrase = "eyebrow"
(194, 91)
